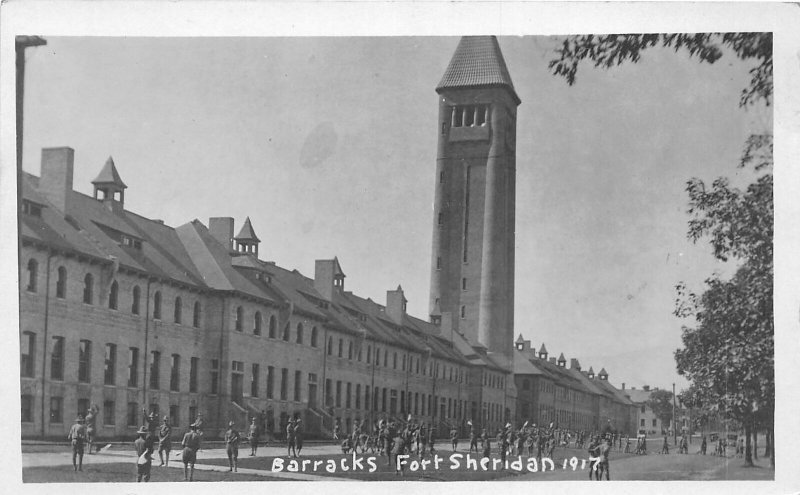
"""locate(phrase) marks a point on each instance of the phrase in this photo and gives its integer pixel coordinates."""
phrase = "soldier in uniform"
(190, 444)
(593, 452)
(487, 446)
(397, 448)
(290, 448)
(164, 441)
(298, 436)
(703, 446)
(473, 437)
(232, 438)
(454, 437)
(665, 446)
(144, 454)
(252, 436)
(604, 466)
(336, 429)
(91, 426)
(431, 437)
(77, 434)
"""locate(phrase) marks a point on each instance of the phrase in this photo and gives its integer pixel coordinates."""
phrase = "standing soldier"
(605, 467)
(252, 435)
(703, 446)
(665, 446)
(232, 438)
(144, 454)
(91, 426)
(473, 437)
(164, 441)
(290, 448)
(397, 449)
(190, 444)
(298, 436)
(336, 428)
(454, 437)
(487, 446)
(431, 437)
(77, 434)
(423, 438)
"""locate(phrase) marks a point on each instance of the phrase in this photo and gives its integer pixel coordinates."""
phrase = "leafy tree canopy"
(660, 402)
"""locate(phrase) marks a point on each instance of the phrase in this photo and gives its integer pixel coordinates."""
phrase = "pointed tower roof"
(109, 175)
(603, 372)
(561, 358)
(591, 371)
(337, 268)
(477, 62)
(247, 233)
(543, 349)
(520, 339)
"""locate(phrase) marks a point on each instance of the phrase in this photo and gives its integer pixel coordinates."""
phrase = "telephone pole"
(674, 419)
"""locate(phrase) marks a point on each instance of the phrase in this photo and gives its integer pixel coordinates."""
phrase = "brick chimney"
(396, 305)
(646, 388)
(574, 364)
(328, 277)
(221, 229)
(56, 176)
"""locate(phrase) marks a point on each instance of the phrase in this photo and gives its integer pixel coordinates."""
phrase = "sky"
(329, 146)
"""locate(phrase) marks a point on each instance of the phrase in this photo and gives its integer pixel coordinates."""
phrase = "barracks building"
(129, 314)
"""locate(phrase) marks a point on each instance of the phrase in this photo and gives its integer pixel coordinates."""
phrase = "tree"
(660, 402)
(728, 354)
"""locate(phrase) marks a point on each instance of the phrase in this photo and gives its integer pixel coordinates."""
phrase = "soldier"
(252, 436)
(473, 437)
(397, 448)
(164, 441)
(290, 447)
(454, 437)
(77, 434)
(665, 446)
(605, 467)
(627, 445)
(594, 452)
(190, 444)
(487, 446)
(423, 437)
(298, 436)
(703, 446)
(336, 428)
(232, 438)
(431, 437)
(503, 445)
(91, 426)
(144, 454)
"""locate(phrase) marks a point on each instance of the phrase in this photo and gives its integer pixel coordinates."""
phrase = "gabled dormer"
(591, 373)
(247, 240)
(603, 375)
(110, 184)
(562, 361)
(543, 352)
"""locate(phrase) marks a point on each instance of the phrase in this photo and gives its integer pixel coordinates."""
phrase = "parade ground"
(53, 463)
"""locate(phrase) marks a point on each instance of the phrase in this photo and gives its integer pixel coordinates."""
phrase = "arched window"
(330, 346)
(157, 305)
(286, 332)
(272, 327)
(113, 295)
(350, 349)
(178, 309)
(299, 337)
(33, 273)
(135, 304)
(61, 283)
(239, 318)
(196, 315)
(313, 336)
(394, 360)
(88, 288)
(369, 353)
(257, 323)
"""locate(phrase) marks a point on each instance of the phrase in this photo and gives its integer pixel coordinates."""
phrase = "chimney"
(646, 388)
(623, 385)
(221, 228)
(328, 277)
(553, 360)
(56, 176)
(574, 364)
(396, 305)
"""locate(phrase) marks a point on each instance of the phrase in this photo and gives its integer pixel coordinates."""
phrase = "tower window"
(441, 218)
(441, 177)
(463, 284)
(470, 116)
(438, 262)
(463, 312)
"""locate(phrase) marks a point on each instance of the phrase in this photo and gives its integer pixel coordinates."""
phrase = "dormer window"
(470, 115)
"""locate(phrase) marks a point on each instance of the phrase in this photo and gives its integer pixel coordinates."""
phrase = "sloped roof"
(109, 175)
(247, 233)
(523, 366)
(520, 339)
(477, 62)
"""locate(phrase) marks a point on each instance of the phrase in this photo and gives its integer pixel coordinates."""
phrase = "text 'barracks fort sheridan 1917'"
(128, 313)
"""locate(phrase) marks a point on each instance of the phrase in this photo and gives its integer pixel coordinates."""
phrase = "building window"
(257, 323)
(178, 310)
(285, 336)
(366, 397)
(377, 357)
(175, 415)
(341, 344)
(297, 385)
(108, 413)
(655, 423)
(463, 312)
(214, 384)
(113, 295)
(350, 350)
(61, 283)
(135, 303)
(463, 284)
(299, 336)
(330, 346)
(84, 361)
(313, 336)
(369, 354)
(132, 414)
(196, 315)
(175, 373)
(358, 396)
(270, 381)
(256, 372)
(27, 408)
(239, 318)
(643, 408)
(33, 274)
(155, 368)
(57, 359)
(386, 357)
(194, 364)
(27, 354)
(338, 393)
(157, 305)
(440, 218)
(394, 360)
(109, 371)
(88, 289)
(272, 327)
(284, 383)
(441, 174)
(56, 410)
(133, 367)
(348, 394)
(438, 262)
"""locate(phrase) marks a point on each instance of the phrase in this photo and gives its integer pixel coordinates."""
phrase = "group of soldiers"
(416, 437)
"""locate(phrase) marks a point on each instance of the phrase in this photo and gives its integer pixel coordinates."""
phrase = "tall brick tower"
(472, 265)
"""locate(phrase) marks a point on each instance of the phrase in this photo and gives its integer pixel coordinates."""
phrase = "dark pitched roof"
(109, 175)
(247, 233)
(477, 62)
(543, 349)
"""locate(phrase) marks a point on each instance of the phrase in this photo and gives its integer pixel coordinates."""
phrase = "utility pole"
(674, 419)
